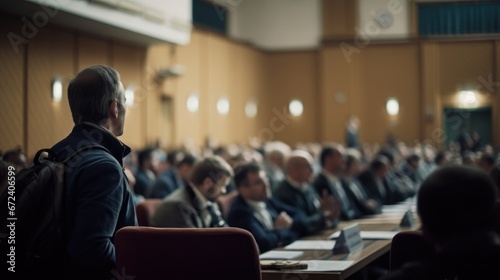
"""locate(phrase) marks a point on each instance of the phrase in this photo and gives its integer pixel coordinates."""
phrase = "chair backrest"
(225, 202)
(408, 246)
(145, 210)
(149, 253)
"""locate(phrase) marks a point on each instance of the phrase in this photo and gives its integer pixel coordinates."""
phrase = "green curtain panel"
(459, 18)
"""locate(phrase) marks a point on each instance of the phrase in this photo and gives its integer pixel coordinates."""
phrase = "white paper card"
(311, 245)
(319, 265)
(280, 255)
(371, 234)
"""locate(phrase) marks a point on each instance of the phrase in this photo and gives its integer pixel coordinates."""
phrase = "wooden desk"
(372, 250)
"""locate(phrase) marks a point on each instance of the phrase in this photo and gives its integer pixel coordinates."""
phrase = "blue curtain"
(458, 18)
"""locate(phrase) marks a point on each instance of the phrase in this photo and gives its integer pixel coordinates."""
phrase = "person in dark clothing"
(457, 209)
(272, 223)
(98, 200)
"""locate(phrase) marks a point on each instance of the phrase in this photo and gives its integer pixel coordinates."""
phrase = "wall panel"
(11, 85)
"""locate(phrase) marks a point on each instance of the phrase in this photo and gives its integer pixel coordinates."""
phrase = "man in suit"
(146, 174)
(457, 209)
(328, 180)
(272, 223)
(194, 206)
(296, 190)
(174, 177)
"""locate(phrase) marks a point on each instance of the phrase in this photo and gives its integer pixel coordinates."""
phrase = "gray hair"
(90, 93)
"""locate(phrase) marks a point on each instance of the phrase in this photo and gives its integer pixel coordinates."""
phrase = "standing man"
(194, 205)
(98, 201)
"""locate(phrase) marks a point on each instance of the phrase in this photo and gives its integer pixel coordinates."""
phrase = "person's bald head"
(299, 166)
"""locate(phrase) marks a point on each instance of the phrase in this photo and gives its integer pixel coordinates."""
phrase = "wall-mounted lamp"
(192, 102)
(467, 98)
(57, 90)
(251, 109)
(223, 106)
(296, 108)
(392, 107)
(129, 96)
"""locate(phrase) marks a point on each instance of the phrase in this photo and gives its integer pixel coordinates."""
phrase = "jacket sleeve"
(99, 198)
(266, 239)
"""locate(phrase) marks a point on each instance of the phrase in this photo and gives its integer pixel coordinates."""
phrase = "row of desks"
(372, 249)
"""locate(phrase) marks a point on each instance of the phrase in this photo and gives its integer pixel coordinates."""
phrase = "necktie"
(216, 218)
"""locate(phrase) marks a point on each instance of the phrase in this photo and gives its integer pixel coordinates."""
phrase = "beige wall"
(423, 75)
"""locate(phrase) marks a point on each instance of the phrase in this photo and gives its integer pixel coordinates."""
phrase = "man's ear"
(113, 109)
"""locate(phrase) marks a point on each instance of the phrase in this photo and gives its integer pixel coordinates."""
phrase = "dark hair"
(328, 150)
(241, 173)
(144, 155)
(440, 156)
(488, 158)
(379, 162)
(187, 159)
(455, 200)
(388, 154)
(210, 167)
(90, 93)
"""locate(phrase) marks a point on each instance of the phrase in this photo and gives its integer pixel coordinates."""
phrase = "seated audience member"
(146, 173)
(274, 161)
(297, 191)
(272, 223)
(374, 181)
(177, 176)
(486, 162)
(456, 205)
(410, 167)
(469, 158)
(16, 158)
(400, 184)
(365, 204)
(332, 164)
(194, 205)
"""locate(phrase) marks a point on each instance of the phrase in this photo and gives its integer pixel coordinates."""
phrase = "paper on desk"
(371, 234)
(319, 265)
(311, 245)
(280, 255)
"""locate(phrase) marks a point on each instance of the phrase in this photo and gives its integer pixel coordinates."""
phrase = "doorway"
(458, 120)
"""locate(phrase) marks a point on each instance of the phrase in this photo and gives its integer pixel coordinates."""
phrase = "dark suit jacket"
(181, 209)
(472, 256)
(360, 199)
(166, 183)
(304, 201)
(322, 183)
(242, 215)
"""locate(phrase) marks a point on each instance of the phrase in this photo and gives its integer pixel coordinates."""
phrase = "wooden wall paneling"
(340, 18)
(189, 125)
(12, 89)
(431, 114)
(128, 61)
(92, 51)
(157, 57)
(293, 75)
(220, 75)
(391, 71)
(50, 55)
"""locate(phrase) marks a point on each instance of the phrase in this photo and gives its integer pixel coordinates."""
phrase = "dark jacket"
(166, 183)
(348, 208)
(98, 201)
(471, 256)
(241, 215)
(304, 201)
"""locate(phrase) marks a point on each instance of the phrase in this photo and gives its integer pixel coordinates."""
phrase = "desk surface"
(372, 250)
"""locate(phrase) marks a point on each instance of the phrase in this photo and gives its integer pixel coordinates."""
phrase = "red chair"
(408, 246)
(148, 253)
(145, 210)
